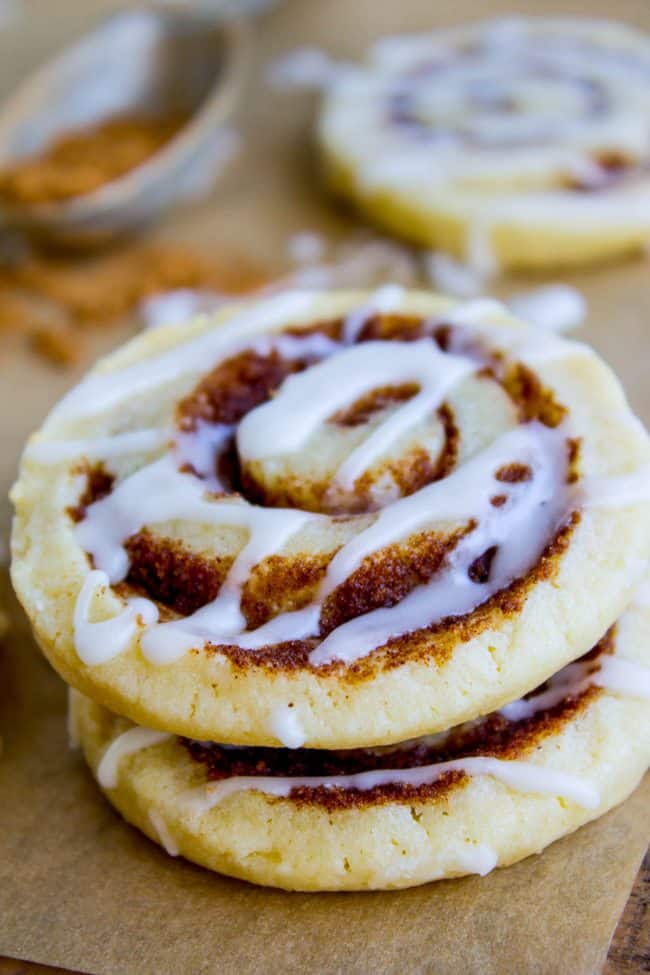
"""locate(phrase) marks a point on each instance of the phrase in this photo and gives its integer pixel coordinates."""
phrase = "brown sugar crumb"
(61, 346)
(514, 473)
(573, 468)
(613, 160)
(52, 298)
(100, 288)
(83, 160)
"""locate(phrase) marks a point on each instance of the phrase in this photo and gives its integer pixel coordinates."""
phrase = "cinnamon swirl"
(331, 520)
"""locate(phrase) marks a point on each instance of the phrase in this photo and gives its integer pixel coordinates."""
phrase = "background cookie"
(513, 143)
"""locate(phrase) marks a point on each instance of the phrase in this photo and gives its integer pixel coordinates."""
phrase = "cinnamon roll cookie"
(513, 143)
(478, 796)
(333, 521)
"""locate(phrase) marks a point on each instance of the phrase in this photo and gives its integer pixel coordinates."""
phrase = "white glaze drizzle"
(555, 307)
(519, 776)
(102, 390)
(285, 423)
(98, 448)
(167, 841)
(570, 681)
(179, 306)
(642, 595)
(128, 743)
(96, 643)
(617, 491)
(159, 493)
(622, 676)
(452, 277)
(385, 299)
(609, 671)
(285, 726)
(200, 448)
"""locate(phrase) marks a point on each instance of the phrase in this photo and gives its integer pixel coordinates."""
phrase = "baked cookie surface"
(513, 143)
(330, 521)
(482, 795)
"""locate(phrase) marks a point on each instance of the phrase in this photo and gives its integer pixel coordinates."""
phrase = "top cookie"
(331, 520)
(521, 142)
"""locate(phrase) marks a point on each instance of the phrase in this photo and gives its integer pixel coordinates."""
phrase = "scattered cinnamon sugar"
(57, 345)
(53, 300)
(82, 160)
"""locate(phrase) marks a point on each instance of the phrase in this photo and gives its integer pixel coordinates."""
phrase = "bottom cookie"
(481, 795)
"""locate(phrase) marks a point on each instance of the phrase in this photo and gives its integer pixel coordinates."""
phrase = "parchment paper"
(79, 888)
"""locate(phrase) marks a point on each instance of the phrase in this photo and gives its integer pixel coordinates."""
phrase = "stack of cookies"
(349, 587)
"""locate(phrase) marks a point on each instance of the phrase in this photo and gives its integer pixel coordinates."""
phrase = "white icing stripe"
(623, 677)
(133, 740)
(101, 391)
(99, 448)
(96, 643)
(613, 673)
(569, 682)
(452, 277)
(286, 727)
(167, 841)
(554, 308)
(159, 493)
(618, 491)
(285, 423)
(479, 251)
(520, 776)
(200, 449)
(642, 596)
(523, 345)
(385, 299)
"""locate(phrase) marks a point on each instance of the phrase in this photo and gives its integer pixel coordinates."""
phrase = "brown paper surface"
(78, 887)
